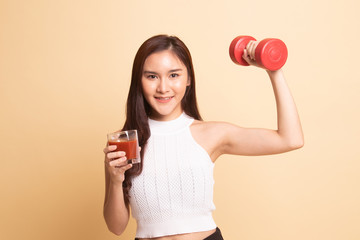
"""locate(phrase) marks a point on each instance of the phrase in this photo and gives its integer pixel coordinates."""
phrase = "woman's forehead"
(163, 59)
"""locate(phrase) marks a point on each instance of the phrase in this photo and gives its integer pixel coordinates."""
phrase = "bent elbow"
(116, 228)
(296, 144)
(117, 232)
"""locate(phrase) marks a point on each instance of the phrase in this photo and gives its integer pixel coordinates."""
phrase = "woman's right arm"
(116, 213)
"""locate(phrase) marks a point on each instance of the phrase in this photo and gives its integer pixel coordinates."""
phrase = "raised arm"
(256, 141)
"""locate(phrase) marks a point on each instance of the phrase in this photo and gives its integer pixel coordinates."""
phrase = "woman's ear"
(188, 81)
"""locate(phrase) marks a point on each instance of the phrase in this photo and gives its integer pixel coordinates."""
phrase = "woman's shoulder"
(210, 128)
(210, 135)
(210, 125)
(202, 125)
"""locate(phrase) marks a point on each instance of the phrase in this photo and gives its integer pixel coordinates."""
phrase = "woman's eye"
(174, 75)
(151, 76)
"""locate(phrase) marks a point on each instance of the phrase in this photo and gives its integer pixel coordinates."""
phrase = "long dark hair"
(138, 109)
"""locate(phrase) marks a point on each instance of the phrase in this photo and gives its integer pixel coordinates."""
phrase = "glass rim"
(123, 133)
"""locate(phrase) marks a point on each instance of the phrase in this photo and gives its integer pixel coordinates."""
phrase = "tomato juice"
(130, 147)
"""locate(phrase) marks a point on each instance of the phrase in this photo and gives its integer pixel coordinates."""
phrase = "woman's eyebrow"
(175, 70)
(149, 72)
(172, 70)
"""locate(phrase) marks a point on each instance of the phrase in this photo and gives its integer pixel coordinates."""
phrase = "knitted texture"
(174, 193)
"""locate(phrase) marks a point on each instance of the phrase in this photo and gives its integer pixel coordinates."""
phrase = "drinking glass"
(128, 142)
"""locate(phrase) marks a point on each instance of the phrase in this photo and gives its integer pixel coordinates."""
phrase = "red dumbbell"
(270, 53)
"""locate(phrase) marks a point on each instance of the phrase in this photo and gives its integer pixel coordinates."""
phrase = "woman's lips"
(163, 99)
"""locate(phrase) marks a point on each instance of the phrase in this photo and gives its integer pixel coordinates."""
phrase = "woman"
(171, 191)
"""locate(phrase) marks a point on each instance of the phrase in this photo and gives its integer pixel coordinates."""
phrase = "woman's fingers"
(112, 155)
(249, 53)
(127, 167)
(118, 162)
(250, 47)
(246, 57)
(109, 149)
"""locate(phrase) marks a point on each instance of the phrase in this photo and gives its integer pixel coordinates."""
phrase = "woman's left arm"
(254, 141)
(289, 126)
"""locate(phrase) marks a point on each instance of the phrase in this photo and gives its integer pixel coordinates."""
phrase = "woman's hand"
(249, 53)
(116, 164)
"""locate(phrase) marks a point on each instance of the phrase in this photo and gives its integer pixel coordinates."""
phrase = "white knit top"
(174, 192)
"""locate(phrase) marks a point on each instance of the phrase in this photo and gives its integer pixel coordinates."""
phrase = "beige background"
(64, 76)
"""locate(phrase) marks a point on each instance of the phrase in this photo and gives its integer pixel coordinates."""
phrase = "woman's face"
(164, 81)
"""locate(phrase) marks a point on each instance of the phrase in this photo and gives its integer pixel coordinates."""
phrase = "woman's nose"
(163, 86)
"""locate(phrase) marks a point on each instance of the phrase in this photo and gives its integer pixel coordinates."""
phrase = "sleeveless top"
(174, 192)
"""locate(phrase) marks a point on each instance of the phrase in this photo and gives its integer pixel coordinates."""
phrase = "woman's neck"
(172, 116)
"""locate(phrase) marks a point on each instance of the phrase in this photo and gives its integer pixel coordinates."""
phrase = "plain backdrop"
(65, 70)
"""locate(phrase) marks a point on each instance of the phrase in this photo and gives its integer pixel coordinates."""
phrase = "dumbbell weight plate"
(271, 53)
(237, 47)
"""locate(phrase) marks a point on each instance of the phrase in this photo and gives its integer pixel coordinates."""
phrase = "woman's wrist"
(116, 184)
(274, 73)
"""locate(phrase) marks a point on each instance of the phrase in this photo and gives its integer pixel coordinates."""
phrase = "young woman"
(170, 192)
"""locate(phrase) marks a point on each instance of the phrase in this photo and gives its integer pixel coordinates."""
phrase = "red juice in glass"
(130, 147)
(126, 141)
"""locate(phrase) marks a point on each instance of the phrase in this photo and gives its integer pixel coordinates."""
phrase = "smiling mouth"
(163, 99)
